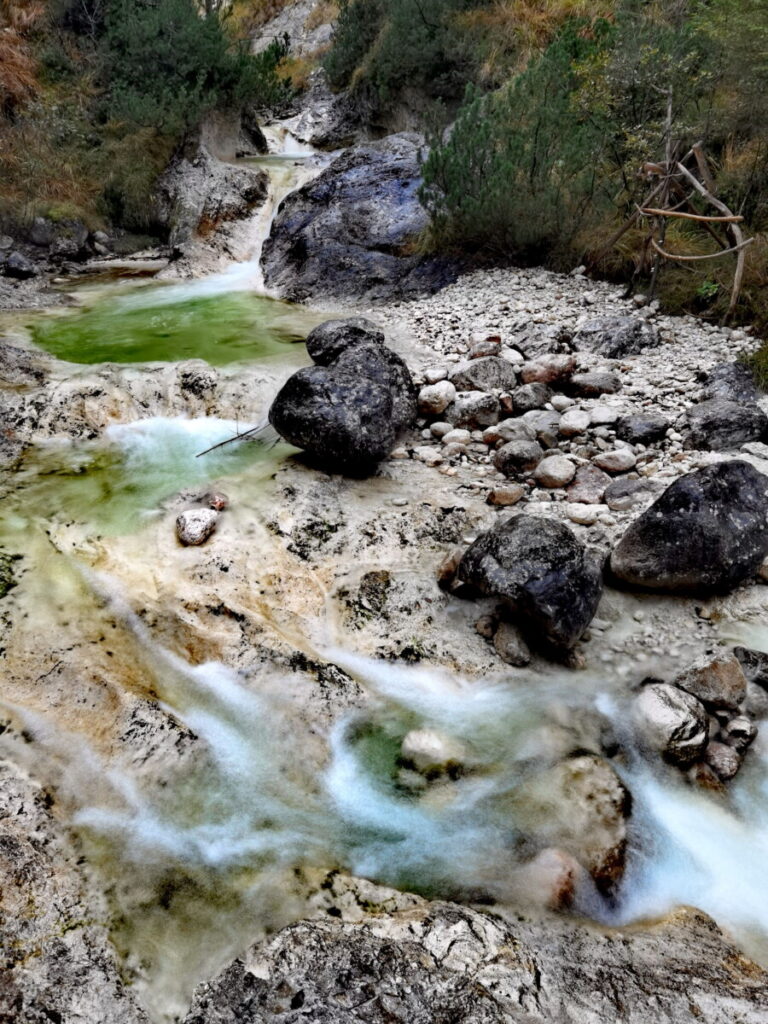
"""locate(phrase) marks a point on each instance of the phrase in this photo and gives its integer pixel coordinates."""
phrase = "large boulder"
(347, 411)
(198, 193)
(733, 381)
(705, 534)
(375, 955)
(542, 572)
(19, 266)
(616, 336)
(722, 423)
(351, 231)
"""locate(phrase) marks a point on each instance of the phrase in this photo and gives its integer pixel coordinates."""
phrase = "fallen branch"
(646, 212)
(264, 433)
(708, 256)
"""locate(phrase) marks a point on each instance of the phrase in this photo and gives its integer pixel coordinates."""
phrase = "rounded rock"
(555, 471)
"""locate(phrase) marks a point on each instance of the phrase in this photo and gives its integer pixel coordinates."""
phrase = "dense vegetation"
(96, 94)
(556, 105)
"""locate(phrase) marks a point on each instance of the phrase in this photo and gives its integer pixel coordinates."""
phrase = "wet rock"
(543, 574)
(510, 646)
(18, 266)
(435, 398)
(555, 471)
(594, 383)
(719, 683)
(582, 807)
(739, 732)
(705, 534)
(725, 761)
(619, 461)
(416, 961)
(550, 879)
(732, 381)
(196, 525)
(485, 374)
(473, 409)
(508, 494)
(347, 414)
(518, 457)
(326, 342)
(754, 665)
(432, 753)
(616, 336)
(589, 485)
(349, 230)
(548, 369)
(642, 427)
(720, 424)
(672, 723)
(531, 396)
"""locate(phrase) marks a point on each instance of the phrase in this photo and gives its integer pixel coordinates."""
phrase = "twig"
(707, 256)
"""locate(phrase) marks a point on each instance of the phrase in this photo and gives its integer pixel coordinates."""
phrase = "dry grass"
(298, 69)
(18, 67)
(516, 30)
(323, 14)
(250, 15)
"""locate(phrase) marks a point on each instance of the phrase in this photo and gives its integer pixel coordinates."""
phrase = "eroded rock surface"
(440, 963)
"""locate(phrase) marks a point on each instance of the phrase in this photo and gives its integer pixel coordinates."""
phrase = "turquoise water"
(172, 323)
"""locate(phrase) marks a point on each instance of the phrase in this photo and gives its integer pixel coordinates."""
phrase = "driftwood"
(673, 200)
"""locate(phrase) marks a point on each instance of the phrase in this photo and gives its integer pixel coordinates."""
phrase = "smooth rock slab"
(704, 535)
(542, 572)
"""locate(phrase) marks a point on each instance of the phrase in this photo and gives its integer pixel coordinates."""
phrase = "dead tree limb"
(646, 212)
(706, 256)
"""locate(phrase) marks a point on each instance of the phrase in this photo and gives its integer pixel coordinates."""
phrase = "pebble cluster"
(510, 410)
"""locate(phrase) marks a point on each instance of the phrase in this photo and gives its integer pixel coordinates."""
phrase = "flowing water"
(206, 854)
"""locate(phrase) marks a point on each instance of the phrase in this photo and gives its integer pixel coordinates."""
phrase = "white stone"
(428, 455)
(619, 461)
(561, 402)
(433, 374)
(573, 422)
(587, 515)
(431, 751)
(554, 471)
(457, 436)
(196, 525)
(435, 398)
(604, 415)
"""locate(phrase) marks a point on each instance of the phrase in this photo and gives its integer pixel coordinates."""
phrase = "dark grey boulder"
(616, 336)
(704, 535)
(720, 424)
(542, 572)
(642, 427)
(485, 374)
(531, 396)
(733, 381)
(19, 267)
(352, 229)
(328, 340)
(518, 457)
(347, 413)
(593, 383)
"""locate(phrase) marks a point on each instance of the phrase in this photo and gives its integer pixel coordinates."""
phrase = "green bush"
(389, 46)
(518, 173)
